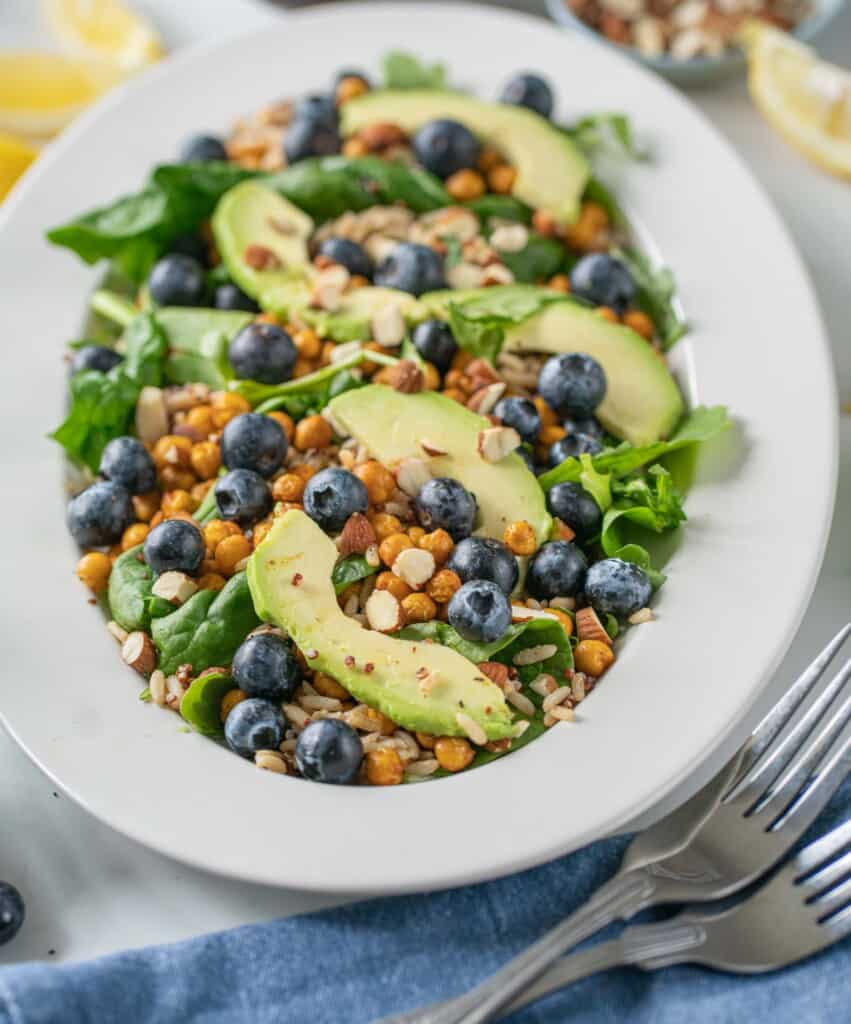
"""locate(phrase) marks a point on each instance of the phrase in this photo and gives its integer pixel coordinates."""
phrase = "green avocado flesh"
(392, 426)
(421, 686)
(551, 172)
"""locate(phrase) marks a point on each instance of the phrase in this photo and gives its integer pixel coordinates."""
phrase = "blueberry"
(254, 725)
(445, 504)
(521, 414)
(584, 425)
(348, 254)
(94, 357)
(12, 912)
(571, 446)
(191, 245)
(253, 441)
(574, 506)
(481, 558)
(330, 751)
(351, 73)
(306, 138)
(202, 148)
(332, 496)
(531, 91)
(411, 267)
(126, 461)
(603, 280)
(175, 545)
(573, 384)
(616, 587)
(444, 147)
(435, 342)
(100, 514)
(243, 495)
(231, 296)
(556, 570)
(479, 611)
(265, 666)
(263, 352)
(319, 108)
(177, 280)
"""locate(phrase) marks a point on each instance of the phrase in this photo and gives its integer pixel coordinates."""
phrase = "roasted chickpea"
(453, 753)
(519, 537)
(230, 552)
(134, 535)
(93, 570)
(205, 458)
(379, 722)
(303, 470)
(389, 548)
(285, 421)
(590, 228)
(172, 450)
(230, 701)
(385, 525)
(329, 687)
(226, 406)
(199, 490)
(443, 585)
(419, 607)
(216, 530)
(327, 352)
(564, 619)
(146, 505)
(549, 435)
(378, 480)
(426, 740)
(548, 416)
(489, 157)
(312, 432)
(211, 581)
(200, 420)
(439, 543)
(258, 534)
(289, 487)
(384, 767)
(354, 148)
(544, 223)
(501, 179)
(303, 367)
(640, 322)
(174, 479)
(307, 343)
(465, 185)
(395, 584)
(607, 314)
(456, 395)
(416, 533)
(559, 283)
(593, 657)
(461, 360)
(176, 502)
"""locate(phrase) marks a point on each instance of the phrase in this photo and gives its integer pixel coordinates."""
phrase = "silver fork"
(804, 908)
(731, 832)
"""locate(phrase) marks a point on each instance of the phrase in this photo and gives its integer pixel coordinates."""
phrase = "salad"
(371, 424)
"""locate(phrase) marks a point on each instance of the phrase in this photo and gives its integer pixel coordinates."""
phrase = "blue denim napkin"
(353, 964)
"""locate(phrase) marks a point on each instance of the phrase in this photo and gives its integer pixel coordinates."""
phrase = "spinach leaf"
(349, 570)
(309, 393)
(479, 322)
(129, 596)
(655, 295)
(202, 701)
(500, 207)
(405, 71)
(207, 630)
(540, 259)
(611, 132)
(198, 342)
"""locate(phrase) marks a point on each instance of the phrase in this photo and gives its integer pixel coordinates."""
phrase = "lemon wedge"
(15, 157)
(808, 101)
(105, 29)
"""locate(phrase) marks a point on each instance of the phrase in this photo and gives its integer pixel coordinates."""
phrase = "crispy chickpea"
(172, 450)
(443, 585)
(395, 584)
(548, 416)
(357, 281)
(211, 581)
(146, 505)
(175, 502)
(416, 533)
(226, 406)
(431, 377)
(287, 506)
(385, 525)
(303, 470)
(230, 701)
(289, 487)
(230, 552)
(426, 740)
(519, 537)
(564, 619)
(501, 179)
(329, 687)
(544, 223)
(312, 432)
(134, 535)
(589, 229)
(384, 767)
(453, 753)
(439, 543)
(607, 314)
(258, 534)
(307, 343)
(354, 148)
(549, 435)
(378, 480)
(93, 569)
(216, 530)
(489, 158)
(559, 283)
(465, 185)
(419, 607)
(173, 479)
(285, 421)
(328, 348)
(156, 518)
(200, 419)
(640, 323)
(114, 553)
(303, 367)
(390, 547)
(199, 490)
(205, 458)
(456, 395)
(380, 722)
(461, 360)
(453, 378)
(593, 657)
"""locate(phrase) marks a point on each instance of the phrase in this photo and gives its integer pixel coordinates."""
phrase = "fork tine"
(808, 803)
(753, 765)
(839, 924)
(833, 902)
(818, 878)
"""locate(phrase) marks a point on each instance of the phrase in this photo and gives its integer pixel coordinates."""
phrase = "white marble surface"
(90, 891)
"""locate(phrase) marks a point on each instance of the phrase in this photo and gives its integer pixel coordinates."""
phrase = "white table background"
(90, 891)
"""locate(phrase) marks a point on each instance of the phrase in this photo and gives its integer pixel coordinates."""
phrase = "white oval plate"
(738, 582)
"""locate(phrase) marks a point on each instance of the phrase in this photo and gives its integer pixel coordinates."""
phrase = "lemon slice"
(105, 29)
(807, 100)
(15, 157)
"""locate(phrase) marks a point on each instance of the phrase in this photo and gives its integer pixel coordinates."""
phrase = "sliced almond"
(464, 276)
(472, 728)
(589, 627)
(406, 377)
(388, 326)
(383, 612)
(483, 400)
(495, 443)
(412, 475)
(510, 237)
(497, 273)
(415, 566)
(151, 415)
(357, 536)
(519, 613)
(341, 352)
(139, 653)
(495, 671)
(431, 449)
(176, 587)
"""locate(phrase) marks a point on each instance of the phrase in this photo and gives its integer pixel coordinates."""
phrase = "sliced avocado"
(392, 426)
(551, 172)
(421, 686)
(249, 214)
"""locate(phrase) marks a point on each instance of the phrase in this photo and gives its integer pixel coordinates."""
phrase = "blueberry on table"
(306, 138)
(177, 280)
(100, 514)
(263, 352)
(231, 296)
(584, 425)
(329, 751)
(174, 545)
(479, 611)
(265, 666)
(201, 149)
(348, 254)
(573, 505)
(191, 245)
(12, 912)
(319, 108)
(126, 461)
(521, 414)
(603, 280)
(482, 558)
(252, 441)
(556, 570)
(253, 725)
(435, 342)
(411, 267)
(619, 588)
(443, 503)
(530, 91)
(94, 357)
(444, 147)
(332, 495)
(572, 383)
(571, 446)
(243, 496)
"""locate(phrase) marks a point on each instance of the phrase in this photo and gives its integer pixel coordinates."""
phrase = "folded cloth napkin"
(357, 963)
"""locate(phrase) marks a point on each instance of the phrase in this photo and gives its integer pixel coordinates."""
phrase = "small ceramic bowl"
(699, 69)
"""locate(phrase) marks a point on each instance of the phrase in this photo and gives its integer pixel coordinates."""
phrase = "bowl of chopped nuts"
(688, 41)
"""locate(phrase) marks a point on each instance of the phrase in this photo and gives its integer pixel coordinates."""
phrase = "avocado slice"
(421, 686)
(551, 172)
(392, 425)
